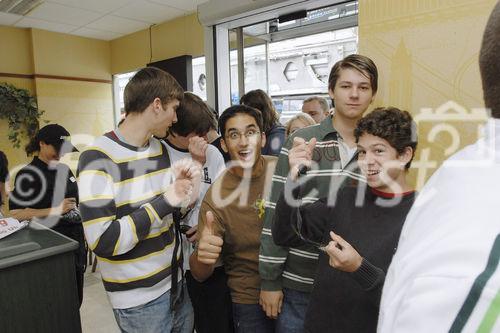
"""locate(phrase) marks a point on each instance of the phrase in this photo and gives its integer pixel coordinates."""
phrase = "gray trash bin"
(38, 291)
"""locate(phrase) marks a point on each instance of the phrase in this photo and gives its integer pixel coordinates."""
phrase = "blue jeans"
(156, 316)
(250, 318)
(293, 311)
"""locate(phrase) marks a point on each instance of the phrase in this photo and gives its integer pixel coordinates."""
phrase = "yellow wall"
(15, 51)
(66, 55)
(84, 108)
(427, 55)
(174, 38)
(16, 57)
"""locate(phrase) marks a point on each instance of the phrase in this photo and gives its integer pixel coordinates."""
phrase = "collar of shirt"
(325, 128)
(346, 153)
(328, 132)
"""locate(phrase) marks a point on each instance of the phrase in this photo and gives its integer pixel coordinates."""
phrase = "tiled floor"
(96, 313)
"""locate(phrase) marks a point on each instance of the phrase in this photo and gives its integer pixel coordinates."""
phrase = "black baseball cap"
(57, 136)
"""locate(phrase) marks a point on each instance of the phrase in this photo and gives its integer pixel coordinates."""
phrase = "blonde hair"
(304, 117)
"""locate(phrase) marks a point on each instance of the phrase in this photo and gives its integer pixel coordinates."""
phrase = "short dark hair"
(234, 110)
(193, 116)
(216, 117)
(489, 62)
(261, 101)
(391, 124)
(146, 85)
(361, 63)
(4, 167)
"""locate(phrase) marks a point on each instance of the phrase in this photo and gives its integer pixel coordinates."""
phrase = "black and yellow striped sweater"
(128, 224)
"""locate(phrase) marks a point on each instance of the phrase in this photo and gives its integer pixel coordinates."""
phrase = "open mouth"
(372, 172)
(245, 155)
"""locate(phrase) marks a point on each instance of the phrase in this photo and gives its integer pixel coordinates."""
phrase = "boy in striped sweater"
(129, 190)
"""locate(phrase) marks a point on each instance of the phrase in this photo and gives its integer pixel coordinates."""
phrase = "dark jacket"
(342, 301)
(274, 140)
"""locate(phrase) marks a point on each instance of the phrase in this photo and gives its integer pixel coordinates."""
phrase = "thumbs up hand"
(300, 154)
(210, 245)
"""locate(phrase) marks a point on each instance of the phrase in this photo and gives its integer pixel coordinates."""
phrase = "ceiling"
(100, 19)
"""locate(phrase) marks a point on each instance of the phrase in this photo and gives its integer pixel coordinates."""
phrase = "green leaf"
(20, 109)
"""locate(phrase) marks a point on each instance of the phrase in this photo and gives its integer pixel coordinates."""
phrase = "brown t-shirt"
(238, 207)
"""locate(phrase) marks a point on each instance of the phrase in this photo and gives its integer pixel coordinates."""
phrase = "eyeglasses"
(250, 134)
(297, 229)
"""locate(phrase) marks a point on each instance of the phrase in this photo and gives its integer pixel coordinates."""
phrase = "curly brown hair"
(391, 124)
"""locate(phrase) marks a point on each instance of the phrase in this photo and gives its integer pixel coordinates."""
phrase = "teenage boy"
(316, 107)
(445, 275)
(187, 139)
(288, 273)
(129, 190)
(359, 232)
(231, 217)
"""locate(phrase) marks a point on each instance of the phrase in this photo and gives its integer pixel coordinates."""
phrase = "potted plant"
(20, 109)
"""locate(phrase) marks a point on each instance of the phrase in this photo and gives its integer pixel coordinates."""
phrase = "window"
(119, 83)
(199, 78)
(290, 60)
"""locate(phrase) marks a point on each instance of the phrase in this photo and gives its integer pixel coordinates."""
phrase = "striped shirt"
(294, 268)
(128, 224)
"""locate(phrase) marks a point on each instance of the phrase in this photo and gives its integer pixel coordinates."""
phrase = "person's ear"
(330, 93)
(405, 156)
(157, 105)
(223, 145)
(263, 139)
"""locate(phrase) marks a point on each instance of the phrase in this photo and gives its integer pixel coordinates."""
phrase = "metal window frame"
(217, 43)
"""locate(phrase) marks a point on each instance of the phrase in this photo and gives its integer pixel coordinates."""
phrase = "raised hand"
(209, 245)
(179, 193)
(184, 191)
(187, 169)
(300, 154)
(198, 149)
(342, 255)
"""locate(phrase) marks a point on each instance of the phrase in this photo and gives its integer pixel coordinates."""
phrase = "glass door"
(290, 60)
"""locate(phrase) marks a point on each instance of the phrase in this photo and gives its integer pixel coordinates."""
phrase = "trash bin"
(38, 291)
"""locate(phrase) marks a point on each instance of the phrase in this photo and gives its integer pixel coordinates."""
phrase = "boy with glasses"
(231, 217)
